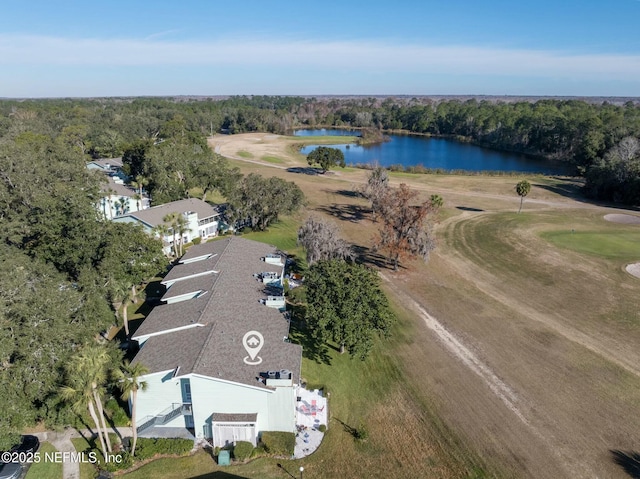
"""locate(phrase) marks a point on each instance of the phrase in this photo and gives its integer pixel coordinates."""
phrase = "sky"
(209, 47)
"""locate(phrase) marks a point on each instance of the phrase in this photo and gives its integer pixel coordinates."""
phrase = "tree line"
(70, 274)
(66, 270)
(573, 131)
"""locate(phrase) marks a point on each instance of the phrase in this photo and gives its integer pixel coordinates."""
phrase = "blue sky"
(200, 47)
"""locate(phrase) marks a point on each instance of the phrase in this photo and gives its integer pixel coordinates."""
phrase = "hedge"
(279, 443)
(149, 447)
(242, 450)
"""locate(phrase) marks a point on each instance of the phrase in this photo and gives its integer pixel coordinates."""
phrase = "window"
(187, 392)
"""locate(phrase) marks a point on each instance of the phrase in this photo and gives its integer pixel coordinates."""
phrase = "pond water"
(326, 132)
(432, 153)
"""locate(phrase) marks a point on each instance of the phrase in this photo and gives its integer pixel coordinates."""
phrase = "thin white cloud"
(155, 36)
(338, 55)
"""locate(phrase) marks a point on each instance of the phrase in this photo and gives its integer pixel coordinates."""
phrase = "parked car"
(10, 470)
(28, 443)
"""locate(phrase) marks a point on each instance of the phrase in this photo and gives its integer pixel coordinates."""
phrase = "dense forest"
(579, 133)
(68, 268)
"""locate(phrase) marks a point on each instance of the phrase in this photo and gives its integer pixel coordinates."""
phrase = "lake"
(436, 153)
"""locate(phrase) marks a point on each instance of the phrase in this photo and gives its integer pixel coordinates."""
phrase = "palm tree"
(179, 225)
(523, 188)
(86, 373)
(93, 362)
(436, 201)
(105, 202)
(183, 227)
(121, 294)
(110, 192)
(121, 206)
(171, 220)
(128, 381)
(138, 184)
(79, 393)
(138, 199)
(141, 182)
(161, 230)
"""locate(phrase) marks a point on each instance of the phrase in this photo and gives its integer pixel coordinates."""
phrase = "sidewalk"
(62, 442)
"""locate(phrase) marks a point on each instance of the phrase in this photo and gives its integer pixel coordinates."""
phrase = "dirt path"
(487, 412)
(464, 354)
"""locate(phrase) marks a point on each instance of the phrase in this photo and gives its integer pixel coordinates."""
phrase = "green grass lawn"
(45, 469)
(87, 471)
(282, 235)
(615, 244)
(245, 154)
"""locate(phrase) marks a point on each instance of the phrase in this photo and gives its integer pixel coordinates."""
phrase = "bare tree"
(322, 241)
(405, 229)
(628, 149)
(376, 188)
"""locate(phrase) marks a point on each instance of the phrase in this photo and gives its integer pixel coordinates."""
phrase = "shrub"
(196, 240)
(322, 428)
(115, 442)
(149, 447)
(124, 462)
(279, 443)
(117, 413)
(361, 434)
(259, 451)
(242, 450)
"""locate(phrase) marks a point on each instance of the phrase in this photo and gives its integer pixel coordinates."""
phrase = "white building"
(201, 220)
(219, 358)
(117, 199)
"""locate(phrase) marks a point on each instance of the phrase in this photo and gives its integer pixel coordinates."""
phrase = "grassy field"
(557, 325)
(551, 313)
(551, 382)
(617, 244)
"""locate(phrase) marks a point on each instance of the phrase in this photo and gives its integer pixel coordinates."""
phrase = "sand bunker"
(624, 219)
(634, 269)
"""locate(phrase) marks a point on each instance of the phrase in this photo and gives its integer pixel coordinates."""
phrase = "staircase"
(172, 412)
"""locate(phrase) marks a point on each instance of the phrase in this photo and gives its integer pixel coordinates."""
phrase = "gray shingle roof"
(104, 162)
(118, 189)
(231, 309)
(223, 417)
(170, 351)
(171, 316)
(199, 283)
(216, 248)
(154, 216)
